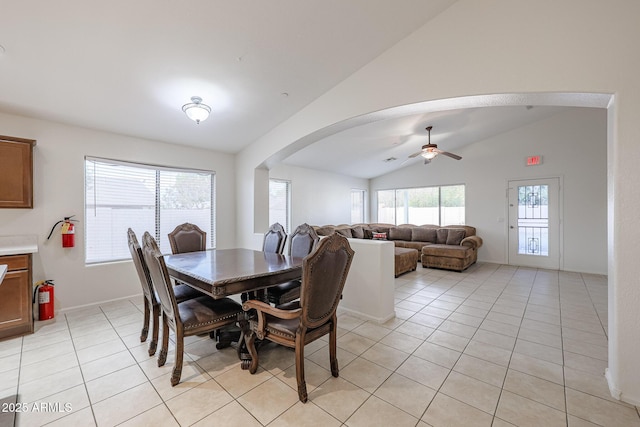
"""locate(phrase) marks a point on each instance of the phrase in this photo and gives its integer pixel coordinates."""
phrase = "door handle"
(511, 226)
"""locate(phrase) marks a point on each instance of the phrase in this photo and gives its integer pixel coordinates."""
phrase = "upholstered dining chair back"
(151, 303)
(141, 267)
(160, 277)
(301, 243)
(303, 240)
(187, 237)
(324, 273)
(274, 239)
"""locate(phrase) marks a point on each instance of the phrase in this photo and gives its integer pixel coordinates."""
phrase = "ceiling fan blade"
(427, 161)
(415, 154)
(453, 156)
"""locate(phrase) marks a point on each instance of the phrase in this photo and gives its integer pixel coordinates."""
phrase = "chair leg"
(250, 340)
(145, 324)
(154, 333)
(333, 358)
(302, 384)
(162, 357)
(177, 367)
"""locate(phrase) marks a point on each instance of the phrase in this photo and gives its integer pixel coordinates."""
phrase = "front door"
(534, 223)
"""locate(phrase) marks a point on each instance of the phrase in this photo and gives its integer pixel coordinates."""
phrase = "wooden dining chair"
(298, 323)
(301, 243)
(187, 237)
(191, 317)
(274, 239)
(151, 303)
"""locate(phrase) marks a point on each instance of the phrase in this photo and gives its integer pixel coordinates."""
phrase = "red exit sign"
(534, 160)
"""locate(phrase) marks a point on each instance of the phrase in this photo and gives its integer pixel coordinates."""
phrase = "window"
(442, 205)
(357, 206)
(280, 203)
(119, 195)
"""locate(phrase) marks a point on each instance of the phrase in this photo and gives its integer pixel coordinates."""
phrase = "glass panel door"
(534, 223)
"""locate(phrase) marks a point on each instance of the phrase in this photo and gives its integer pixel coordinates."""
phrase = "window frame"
(363, 196)
(156, 228)
(287, 225)
(405, 215)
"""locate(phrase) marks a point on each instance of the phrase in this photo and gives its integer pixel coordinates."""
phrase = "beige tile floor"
(495, 345)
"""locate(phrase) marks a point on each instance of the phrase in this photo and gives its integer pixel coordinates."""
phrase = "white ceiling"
(368, 150)
(128, 67)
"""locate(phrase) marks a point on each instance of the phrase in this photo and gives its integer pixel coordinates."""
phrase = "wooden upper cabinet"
(16, 172)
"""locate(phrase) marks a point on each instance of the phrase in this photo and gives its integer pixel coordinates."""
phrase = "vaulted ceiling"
(128, 67)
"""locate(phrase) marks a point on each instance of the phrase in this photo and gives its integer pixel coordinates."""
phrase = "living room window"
(357, 205)
(119, 195)
(280, 203)
(440, 205)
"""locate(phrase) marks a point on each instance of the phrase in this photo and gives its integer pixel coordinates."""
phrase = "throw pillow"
(455, 236)
(441, 236)
(368, 233)
(357, 232)
(379, 236)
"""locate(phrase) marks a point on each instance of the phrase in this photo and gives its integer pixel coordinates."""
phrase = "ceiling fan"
(429, 151)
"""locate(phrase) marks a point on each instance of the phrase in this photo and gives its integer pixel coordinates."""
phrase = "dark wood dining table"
(224, 272)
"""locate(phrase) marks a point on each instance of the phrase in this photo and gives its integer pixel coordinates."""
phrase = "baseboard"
(616, 393)
(366, 316)
(93, 304)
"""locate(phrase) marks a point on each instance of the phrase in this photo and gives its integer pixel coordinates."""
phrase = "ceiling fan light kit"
(196, 110)
(430, 151)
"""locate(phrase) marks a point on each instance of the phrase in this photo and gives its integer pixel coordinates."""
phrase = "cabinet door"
(15, 304)
(16, 180)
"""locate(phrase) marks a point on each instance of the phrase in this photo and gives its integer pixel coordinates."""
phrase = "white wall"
(573, 146)
(59, 191)
(318, 197)
(503, 47)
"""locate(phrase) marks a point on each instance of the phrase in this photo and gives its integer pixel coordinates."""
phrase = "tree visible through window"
(119, 195)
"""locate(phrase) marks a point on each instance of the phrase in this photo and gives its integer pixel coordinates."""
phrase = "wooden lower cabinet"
(16, 310)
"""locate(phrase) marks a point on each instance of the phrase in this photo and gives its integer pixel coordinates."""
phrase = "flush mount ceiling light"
(196, 110)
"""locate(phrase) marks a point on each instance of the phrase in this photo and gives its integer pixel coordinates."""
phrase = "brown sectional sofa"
(452, 247)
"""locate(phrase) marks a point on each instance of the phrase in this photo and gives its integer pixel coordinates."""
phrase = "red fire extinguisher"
(68, 231)
(44, 294)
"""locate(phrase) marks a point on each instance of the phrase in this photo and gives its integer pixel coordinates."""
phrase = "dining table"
(220, 273)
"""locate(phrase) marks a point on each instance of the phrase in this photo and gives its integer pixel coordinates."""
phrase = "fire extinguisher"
(44, 294)
(68, 231)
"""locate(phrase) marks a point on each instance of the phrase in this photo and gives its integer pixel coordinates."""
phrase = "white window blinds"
(119, 195)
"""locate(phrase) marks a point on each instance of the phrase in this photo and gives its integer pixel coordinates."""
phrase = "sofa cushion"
(455, 236)
(447, 251)
(400, 233)
(325, 231)
(411, 244)
(346, 232)
(357, 232)
(423, 234)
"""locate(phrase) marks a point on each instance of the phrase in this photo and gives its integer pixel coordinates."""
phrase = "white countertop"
(14, 245)
(3, 271)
